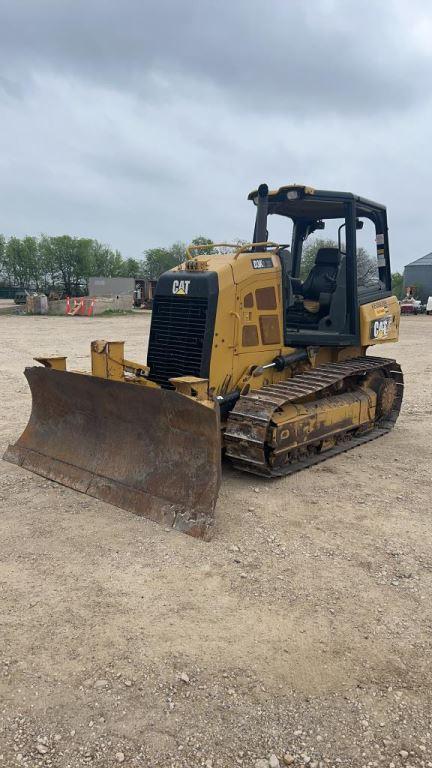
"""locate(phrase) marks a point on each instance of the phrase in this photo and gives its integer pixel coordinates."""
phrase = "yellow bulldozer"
(249, 358)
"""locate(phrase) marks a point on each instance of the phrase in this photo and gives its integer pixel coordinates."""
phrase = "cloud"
(332, 55)
(149, 121)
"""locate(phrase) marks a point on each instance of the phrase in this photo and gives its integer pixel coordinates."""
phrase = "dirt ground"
(302, 630)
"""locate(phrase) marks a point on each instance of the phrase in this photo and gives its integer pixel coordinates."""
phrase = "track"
(249, 423)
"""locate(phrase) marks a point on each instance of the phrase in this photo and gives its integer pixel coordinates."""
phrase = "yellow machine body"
(249, 321)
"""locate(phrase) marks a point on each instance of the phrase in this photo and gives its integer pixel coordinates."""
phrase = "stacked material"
(37, 304)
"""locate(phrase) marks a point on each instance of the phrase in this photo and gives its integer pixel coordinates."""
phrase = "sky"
(144, 122)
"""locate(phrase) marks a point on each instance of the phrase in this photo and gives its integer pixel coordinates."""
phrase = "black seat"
(322, 277)
(316, 291)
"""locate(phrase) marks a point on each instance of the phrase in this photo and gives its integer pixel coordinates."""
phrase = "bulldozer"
(249, 359)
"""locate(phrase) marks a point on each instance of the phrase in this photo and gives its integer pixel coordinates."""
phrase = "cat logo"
(181, 287)
(379, 329)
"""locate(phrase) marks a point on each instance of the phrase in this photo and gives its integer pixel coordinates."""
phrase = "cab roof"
(298, 202)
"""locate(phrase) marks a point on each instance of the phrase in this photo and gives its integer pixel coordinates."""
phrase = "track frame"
(249, 425)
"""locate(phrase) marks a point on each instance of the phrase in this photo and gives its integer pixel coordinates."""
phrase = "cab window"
(367, 260)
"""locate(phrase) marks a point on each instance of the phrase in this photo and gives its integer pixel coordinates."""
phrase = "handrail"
(240, 249)
(236, 329)
(193, 247)
(254, 245)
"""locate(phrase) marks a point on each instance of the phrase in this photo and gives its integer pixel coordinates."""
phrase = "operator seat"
(322, 277)
(316, 291)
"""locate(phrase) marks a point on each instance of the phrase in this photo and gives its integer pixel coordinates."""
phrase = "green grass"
(116, 312)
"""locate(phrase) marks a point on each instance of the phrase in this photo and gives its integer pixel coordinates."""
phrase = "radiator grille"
(176, 344)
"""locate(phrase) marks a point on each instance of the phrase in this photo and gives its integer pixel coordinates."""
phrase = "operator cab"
(326, 276)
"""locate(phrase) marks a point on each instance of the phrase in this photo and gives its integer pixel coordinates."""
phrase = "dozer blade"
(151, 451)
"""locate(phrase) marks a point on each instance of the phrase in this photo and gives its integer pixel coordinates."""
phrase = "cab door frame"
(349, 334)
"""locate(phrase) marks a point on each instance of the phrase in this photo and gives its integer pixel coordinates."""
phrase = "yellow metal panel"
(227, 329)
(297, 424)
(379, 321)
(58, 363)
(107, 359)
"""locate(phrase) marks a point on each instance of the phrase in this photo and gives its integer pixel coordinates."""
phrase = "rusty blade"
(150, 451)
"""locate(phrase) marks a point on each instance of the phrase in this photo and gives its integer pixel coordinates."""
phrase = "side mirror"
(313, 226)
(359, 224)
(340, 247)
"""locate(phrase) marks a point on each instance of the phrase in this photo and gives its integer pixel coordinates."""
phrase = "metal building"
(419, 274)
(111, 286)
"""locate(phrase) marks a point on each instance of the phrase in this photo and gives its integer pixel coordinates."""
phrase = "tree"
(132, 268)
(68, 261)
(159, 260)
(47, 262)
(203, 241)
(178, 252)
(2, 255)
(64, 263)
(104, 262)
(367, 268)
(21, 262)
(5, 272)
(34, 265)
(398, 285)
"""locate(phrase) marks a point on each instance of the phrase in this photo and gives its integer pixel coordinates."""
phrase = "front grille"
(176, 344)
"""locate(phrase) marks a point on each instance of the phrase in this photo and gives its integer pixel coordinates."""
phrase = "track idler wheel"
(386, 398)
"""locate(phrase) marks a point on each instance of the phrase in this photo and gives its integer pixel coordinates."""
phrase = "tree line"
(66, 263)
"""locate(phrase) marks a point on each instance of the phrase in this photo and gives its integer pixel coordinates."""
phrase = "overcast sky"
(142, 122)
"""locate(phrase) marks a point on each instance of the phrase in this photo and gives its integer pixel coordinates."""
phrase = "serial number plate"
(265, 263)
(379, 329)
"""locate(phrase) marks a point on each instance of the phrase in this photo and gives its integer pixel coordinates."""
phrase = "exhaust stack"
(260, 231)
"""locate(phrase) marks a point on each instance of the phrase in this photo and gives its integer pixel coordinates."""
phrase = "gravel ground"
(301, 635)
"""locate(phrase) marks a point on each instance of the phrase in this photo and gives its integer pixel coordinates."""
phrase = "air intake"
(177, 338)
